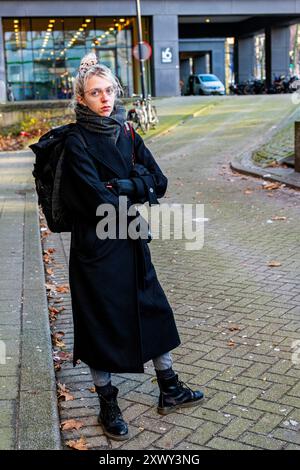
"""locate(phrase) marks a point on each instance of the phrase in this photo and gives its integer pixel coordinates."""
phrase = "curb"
(38, 420)
(264, 174)
(244, 164)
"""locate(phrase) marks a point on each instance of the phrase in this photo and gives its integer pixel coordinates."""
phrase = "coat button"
(151, 190)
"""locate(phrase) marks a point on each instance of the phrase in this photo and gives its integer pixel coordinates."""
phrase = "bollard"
(297, 146)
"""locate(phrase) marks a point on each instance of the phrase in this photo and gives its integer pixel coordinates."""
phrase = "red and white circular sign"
(146, 51)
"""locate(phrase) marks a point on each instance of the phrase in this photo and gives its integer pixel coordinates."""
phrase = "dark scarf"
(108, 126)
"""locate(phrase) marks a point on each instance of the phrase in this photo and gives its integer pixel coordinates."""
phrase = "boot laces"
(183, 386)
(112, 408)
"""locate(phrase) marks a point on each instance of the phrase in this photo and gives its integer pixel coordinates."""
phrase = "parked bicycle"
(144, 114)
(280, 84)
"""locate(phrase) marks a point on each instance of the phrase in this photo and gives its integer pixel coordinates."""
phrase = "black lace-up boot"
(110, 416)
(175, 394)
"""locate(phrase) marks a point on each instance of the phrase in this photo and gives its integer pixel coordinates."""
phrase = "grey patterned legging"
(102, 378)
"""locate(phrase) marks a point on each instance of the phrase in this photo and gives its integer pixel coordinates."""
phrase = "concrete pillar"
(280, 48)
(218, 62)
(245, 58)
(166, 56)
(184, 72)
(2, 67)
(200, 64)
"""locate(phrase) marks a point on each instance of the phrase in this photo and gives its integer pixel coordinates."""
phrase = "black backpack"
(47, 173)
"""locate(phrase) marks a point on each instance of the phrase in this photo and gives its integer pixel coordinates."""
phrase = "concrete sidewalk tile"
(173, 437)
(247, 396)
(160, 426)
(218, 401)
(7, 438)
(179, 419)
(220, 443)
(271, 407)
(263, 442)
(242, 412)
(236, 427)
(204, 433)
(7, 412)
(9, 386)
(287, 435)
(276, 392)
(205, 414)
(267, 423)
(141, 439)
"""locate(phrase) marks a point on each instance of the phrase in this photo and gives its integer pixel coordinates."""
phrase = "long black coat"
(121, 315)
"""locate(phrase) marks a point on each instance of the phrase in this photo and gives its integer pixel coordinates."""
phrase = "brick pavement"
(237, 316)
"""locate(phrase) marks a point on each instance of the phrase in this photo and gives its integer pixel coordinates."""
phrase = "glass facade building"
(42, 55)
(42, 43)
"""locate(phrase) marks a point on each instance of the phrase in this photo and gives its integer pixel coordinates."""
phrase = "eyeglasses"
(96, 92)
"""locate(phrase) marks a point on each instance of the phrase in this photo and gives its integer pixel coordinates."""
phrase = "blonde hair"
(89, 67)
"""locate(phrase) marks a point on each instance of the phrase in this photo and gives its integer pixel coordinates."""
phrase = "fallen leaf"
(231, 343)
(78, 444)
(45, 233)
(61, 356)
(63, 288)
(47, 259)
(248, 191)
(49, 251)
(59, 333)
(53, 310)
(57, 339)
(270, 186)
(63, 392)
(92, 389)
(278, 217)
(234, 328)
(49, 271)
(71, 424)
(274, 264)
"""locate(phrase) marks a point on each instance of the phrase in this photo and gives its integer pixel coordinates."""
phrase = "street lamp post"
(140, 42)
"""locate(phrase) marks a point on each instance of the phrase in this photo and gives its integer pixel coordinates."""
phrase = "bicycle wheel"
(154, 117)
(143, 126)
(132, 117)
(141, 121)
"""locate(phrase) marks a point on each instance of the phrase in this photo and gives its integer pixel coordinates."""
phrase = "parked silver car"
(204, 84)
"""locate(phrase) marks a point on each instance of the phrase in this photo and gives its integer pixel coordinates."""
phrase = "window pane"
(43, 54)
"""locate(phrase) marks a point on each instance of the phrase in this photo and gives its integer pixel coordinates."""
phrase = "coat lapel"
(107, 153)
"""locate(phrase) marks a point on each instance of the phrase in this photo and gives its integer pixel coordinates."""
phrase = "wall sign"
(167, 55)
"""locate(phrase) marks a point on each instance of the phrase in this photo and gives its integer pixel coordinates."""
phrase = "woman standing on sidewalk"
(122, 318)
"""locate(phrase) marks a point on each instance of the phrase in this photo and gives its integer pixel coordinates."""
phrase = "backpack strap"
(128, 129)
(76, 130)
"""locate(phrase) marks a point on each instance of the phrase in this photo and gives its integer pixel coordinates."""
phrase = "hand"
(124, 187)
